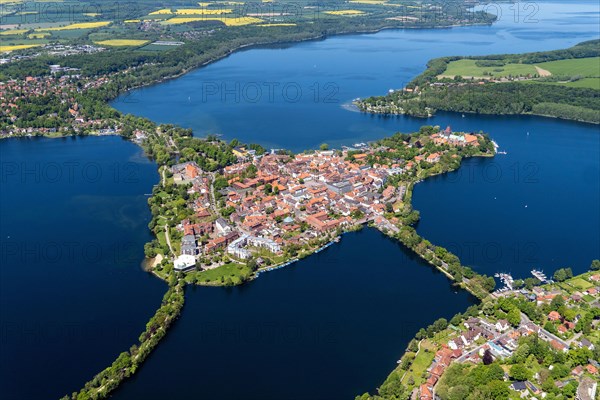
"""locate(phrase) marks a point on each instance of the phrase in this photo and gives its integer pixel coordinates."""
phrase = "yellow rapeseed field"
(13, 32)
(17, 47)
(79, 25)
(344, 12)
(229, 21)
(39, 35)
(132, 20)
(200, 11)
(162, 11)
(122, 42)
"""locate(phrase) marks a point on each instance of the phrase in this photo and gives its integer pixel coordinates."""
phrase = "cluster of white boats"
(509, 281)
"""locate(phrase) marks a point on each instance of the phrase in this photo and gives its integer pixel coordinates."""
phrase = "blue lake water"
(73, 223)
(295, 96)
(330, 326)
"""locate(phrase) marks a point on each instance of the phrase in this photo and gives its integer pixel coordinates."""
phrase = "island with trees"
(562, 83)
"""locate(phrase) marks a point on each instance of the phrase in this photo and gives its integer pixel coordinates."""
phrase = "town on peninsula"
(224, 213)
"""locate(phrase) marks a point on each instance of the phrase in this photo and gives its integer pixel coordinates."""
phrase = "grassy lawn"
(421, 362)
(234, 271)
(161, 238)
(469, 68)
(122, 42)
(588, 298)
(579, 284)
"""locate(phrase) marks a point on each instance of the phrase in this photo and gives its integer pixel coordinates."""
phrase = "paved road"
(525, 319)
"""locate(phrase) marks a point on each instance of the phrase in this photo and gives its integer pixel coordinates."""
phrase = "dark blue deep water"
(73, 223)
(73, 295)
(329, 327)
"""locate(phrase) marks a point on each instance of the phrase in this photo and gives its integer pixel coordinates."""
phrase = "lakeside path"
(168, 239)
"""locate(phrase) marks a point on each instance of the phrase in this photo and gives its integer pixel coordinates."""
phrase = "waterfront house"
(184, 263)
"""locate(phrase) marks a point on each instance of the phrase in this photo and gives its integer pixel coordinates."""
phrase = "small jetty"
(507, 280)
(539, 275)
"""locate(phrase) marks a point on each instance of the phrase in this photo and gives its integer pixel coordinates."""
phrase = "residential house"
(554, 316)
(502, 325)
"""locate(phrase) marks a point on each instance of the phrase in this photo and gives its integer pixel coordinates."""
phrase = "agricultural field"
(17, 47)
(344, 12)
(578, 72)
(78, 25)
(13, 32)
(587, 67)
(228, 21)
(586, 83)
(39, 35)
(122, 42)
(469, 68)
